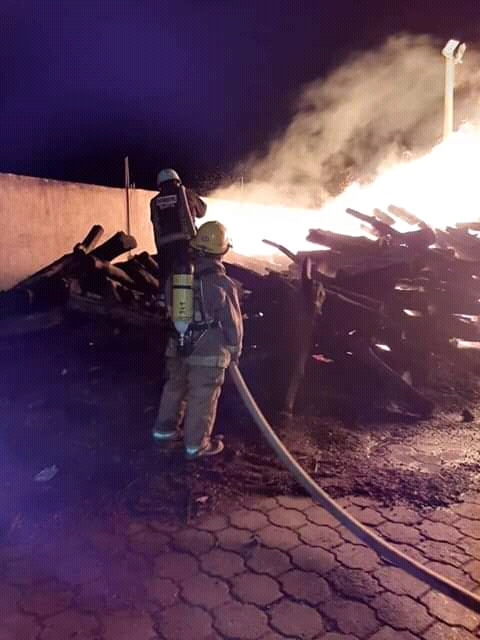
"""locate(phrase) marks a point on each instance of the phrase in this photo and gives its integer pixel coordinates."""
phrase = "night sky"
(193, 84)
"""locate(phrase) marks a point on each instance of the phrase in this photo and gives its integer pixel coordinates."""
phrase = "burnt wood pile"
(396, 304)
(364, 317)
(86, 279)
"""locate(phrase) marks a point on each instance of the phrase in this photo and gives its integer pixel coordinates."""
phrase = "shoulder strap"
(209, 271)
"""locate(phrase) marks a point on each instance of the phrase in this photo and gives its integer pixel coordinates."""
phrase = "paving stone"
(472, 497)
(442, 514)
(367, 515)
(333, 635)
(319, 515)
(183, 622)
(346, 501)
(455, 573)
(357, 557)
(93, 596)
(149, 543)
(234, 539)
(194, 540)
(23, 572)
(439, 531)
(256, 589)
(262, 504)
(10, 552)
(467, 510)
(413, 552)
(353, 583)
(270, 561)
(212, 522)
(224, 564)
(70, 624)
(402, 533)
(305, 585)
(347, 536)
(205, 591)
(248, 519)
(440, 631)
(296, 620)
(362, 501)
(126, 625)
(9, 596)
(473, 569)
(161, 590)
(443, 552)
(278, 537)
(402, 612)
(400, 582)
(240, 621)
(402, 515)
(290, 518)
(108, 542)
(274, 635)
(387, 633)
(46, 603)
(136, 526)
(168, 527)
(468, 527)
(351, 617)
(128, 566)
(448, 611)
(295, 502)
(470, 546)
(17, 626)
(313, 559)
(320, 536)
(80, 569)
(176, 566)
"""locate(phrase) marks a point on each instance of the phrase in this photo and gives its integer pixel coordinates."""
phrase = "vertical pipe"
(449, 94)
(127, 194)
(127, 198)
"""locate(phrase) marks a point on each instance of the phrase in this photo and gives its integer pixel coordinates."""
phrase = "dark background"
(193, 84)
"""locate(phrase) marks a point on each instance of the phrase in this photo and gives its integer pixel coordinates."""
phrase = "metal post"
(448, 117)
(127, 199)
(453, 52)
(127, 193)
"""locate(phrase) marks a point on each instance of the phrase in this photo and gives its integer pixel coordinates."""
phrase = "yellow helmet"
(211, 238)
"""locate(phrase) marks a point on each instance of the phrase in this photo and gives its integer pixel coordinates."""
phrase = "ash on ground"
(83, 396)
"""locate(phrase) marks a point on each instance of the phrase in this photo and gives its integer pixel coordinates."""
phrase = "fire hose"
(388, 552)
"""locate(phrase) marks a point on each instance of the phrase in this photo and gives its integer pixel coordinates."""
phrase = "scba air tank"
(182, 301)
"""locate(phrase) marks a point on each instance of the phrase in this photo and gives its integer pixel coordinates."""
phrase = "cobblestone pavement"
(272, 568)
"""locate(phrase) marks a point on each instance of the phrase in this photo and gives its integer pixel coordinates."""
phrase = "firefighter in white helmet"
(196, 375)
(172, 212)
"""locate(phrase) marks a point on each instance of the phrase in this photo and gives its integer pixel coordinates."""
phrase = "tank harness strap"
(205, 323)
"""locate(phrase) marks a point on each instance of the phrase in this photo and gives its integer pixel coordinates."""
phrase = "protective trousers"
(190, 394)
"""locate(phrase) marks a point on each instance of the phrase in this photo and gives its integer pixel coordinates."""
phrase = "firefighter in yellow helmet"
(196, 375)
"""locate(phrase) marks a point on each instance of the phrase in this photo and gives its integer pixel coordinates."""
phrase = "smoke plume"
(373, 111)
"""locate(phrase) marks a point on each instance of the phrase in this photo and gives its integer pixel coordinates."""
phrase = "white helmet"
(167, 174)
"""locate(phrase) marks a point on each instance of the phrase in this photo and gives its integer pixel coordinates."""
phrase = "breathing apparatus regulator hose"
(385, 550)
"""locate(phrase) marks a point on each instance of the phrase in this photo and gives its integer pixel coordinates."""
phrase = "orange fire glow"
(440, 188)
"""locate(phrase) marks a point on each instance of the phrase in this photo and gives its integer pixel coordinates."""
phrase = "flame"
(439, 188)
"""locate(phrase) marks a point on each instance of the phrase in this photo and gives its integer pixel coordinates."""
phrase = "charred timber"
(143, 279)
(115, 246)
(69, 262)
(341, 243)
(311, 296)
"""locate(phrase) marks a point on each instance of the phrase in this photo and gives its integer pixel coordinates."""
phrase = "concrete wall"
(41, 220)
